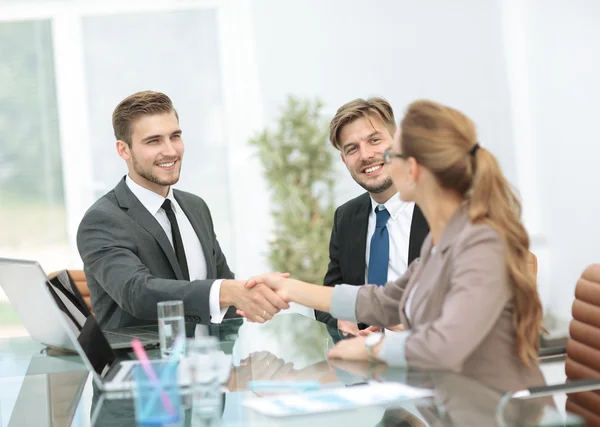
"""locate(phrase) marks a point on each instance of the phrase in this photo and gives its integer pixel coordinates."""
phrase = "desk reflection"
(293, 347)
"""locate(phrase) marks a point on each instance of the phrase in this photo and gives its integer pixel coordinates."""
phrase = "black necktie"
(177, 242)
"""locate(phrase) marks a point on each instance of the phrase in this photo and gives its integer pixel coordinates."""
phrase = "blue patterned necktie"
(379, 252)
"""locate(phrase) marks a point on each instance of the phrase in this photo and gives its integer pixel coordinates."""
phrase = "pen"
(167, 372)
(138, 348)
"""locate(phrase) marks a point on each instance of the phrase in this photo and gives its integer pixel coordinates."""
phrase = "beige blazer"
(461, 312)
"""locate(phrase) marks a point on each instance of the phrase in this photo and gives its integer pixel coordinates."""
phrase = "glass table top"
(38, 387)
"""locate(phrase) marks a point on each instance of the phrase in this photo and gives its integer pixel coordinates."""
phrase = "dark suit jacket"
(348, 246)
(130, 264)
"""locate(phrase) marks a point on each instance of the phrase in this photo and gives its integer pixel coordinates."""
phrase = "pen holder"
(157, 402)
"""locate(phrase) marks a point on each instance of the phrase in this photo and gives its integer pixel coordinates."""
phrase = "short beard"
(147, 175)
(378, 188)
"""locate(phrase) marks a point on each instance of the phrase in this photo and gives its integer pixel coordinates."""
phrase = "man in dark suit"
(144, 242)
(375, 236)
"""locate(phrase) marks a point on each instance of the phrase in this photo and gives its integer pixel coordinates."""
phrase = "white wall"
(339, 50)
(563, 43)
(525, 71)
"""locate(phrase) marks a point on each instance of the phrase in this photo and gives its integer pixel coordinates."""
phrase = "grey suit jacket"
(130, 264)
(461, 312)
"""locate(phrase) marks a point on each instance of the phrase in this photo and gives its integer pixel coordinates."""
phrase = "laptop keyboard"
(116, 338)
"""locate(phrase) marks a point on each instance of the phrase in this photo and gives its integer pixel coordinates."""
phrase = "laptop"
(20, 279)
(30, 292)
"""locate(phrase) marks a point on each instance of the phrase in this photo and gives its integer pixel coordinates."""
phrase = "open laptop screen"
(89, 335)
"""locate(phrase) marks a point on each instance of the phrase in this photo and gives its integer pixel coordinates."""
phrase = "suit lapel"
(137, 212)
(201, 232)
(357, 229)
(418, 231)
(429, 278)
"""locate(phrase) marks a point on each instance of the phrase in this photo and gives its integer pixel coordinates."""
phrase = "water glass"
(206, 366)
(157, 401)
(171, 325)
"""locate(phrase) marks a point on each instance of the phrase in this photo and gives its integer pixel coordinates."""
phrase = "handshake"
(259, 298)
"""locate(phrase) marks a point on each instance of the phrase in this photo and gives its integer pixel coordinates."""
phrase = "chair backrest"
(80, 280)
(583, 346)
(78, 277)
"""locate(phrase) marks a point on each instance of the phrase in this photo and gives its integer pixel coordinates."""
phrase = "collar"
(151, 200)
(394, 206)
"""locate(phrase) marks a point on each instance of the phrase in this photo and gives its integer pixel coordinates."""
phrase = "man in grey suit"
(144, 242)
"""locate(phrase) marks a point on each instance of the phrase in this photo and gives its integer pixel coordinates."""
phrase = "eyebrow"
(151, 137)
(370, 136)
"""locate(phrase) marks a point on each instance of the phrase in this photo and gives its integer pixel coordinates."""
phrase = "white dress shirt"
(191, 243)
(398, 226)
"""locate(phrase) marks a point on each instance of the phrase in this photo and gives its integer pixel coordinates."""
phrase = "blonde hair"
(135, 106)
(347, 113)
(442, 139)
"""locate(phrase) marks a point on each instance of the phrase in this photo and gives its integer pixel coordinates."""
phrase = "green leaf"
(298, 165)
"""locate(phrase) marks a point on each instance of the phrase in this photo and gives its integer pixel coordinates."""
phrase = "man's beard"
(374, 188)
(148, 175)
(377, 188)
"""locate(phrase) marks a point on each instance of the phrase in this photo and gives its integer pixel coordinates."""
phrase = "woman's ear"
(413, 169)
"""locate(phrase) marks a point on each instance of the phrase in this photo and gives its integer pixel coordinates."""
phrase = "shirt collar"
(394, 205)
(151, 200)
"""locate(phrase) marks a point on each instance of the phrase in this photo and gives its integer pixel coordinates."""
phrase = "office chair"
(582, 365)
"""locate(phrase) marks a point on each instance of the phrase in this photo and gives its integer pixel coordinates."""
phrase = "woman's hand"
(371, 329)
(274, 280)
(352, 349)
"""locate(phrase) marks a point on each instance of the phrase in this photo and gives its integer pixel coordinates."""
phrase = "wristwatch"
(371, 341)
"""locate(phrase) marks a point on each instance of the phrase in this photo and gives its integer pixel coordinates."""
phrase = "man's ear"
(123, 150)
(343, 158)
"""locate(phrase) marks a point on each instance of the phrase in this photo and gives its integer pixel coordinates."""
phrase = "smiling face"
(362, 143)
(154, 157)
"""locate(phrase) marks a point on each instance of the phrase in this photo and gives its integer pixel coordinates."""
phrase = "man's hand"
(274, 281)
(258, 304)
(347, 328)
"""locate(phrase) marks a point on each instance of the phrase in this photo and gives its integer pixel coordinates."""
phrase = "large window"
(175, 52)
(64, 66)
(32, 208)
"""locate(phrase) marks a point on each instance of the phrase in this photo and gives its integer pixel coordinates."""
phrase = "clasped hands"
(279, 284)
(282, 289)
(254, 299)
(265, 297)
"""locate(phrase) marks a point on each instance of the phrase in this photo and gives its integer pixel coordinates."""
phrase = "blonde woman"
(469, 304)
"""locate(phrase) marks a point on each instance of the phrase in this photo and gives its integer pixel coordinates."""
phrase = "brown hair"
(137, 105)
(357, 108)
(442, 139)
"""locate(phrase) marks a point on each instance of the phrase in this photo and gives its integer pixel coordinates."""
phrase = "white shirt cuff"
(216, 312)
